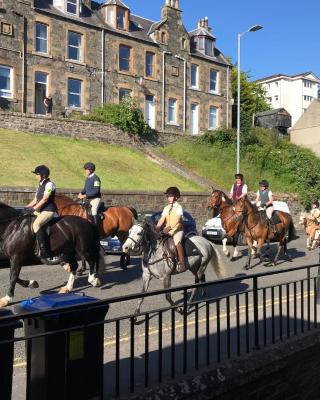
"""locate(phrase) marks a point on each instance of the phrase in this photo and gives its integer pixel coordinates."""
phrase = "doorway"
(194, 119)
(151, 111)
(41, 91)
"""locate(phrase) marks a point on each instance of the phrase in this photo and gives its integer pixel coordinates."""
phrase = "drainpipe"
(184, 91)
(23, 57)
(102, 65)
(228, 85)
(164, 86)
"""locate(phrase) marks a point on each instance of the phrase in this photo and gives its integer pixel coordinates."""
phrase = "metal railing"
(237, 315)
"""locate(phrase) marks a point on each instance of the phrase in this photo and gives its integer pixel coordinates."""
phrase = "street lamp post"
(252, 29)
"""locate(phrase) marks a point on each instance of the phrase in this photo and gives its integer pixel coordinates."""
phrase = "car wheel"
(53, 261)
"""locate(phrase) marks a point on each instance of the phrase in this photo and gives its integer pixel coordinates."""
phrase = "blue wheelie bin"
(68, 364)
(6, 353)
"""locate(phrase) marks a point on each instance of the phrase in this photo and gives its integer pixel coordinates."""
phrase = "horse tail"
(292, 234)
(134, 212)
(216, 262)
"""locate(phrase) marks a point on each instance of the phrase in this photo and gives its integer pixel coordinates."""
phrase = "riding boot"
(181, 266)
(43, 252)
(272, 226)
(96, 220)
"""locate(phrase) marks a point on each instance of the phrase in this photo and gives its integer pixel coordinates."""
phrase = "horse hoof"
(96, 282)
(33, 285)
(64, 290)
(227, 254)
(67, 268)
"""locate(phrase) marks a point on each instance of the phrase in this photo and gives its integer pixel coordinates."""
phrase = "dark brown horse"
(116, 220)
(230, 223)
(70, 237)
(257, 229)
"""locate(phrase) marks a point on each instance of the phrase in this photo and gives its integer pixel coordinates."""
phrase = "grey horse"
(155, 264)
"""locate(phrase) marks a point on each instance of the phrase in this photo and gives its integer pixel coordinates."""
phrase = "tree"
(253, 100)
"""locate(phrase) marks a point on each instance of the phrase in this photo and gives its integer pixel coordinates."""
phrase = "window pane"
(121, 19)
(213, 117)
(41, 37)
(72, 6)
(124, 93)
(213, 80)
(74, 46)
(74, 93)
(5, 82)
(209, 47)
(149, 64)
(172, 110)
(124, 58)
(194, 75)
(41, 77)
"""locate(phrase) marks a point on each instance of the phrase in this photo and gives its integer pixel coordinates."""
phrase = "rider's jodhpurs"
(42, 219)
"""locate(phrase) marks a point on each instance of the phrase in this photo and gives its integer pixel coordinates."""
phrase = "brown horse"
(257, 229)
(116, 220)
(231, 224)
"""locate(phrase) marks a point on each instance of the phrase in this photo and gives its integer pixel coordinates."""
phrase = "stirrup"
(181, 267)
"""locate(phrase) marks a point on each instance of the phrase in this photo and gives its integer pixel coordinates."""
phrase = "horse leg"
(82, 268)
(123, 261)
(146, 277)
(254, 249)
(280, 247)
(15, 268)
(28, 284)
(72, 260)
(235, 247)
(248, 263)
(285, 247)
(203, 280)
(167, 285)
(224, 247)
(93, 277)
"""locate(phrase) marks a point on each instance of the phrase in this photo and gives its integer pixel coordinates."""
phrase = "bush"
(126, 116)
(221, 136)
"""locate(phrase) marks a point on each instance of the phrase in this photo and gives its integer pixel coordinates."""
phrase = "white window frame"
(216, 81)
(80, 48)
(172, 111)
(40, 38)
(211, 127)
(76, 94)
(5, 93)
(194, 67)
(73, 2)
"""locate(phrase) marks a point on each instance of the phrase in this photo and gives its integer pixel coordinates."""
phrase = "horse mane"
(7, 211)
(65, 199)
(151, 235)
(221, 193)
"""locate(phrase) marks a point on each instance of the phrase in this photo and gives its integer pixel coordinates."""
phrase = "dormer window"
(209, 47)
(72, 7)
(121, 18)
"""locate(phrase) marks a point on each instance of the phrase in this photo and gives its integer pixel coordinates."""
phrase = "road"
(116, 282)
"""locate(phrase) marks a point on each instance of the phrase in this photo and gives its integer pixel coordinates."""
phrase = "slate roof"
(116, 3)
(201, 32)
(271, 112)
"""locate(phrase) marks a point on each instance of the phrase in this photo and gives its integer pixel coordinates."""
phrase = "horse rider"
(313, 229)
(91, 190)
(239, 189)
(172, 217)
(43, 207)
(264, 201)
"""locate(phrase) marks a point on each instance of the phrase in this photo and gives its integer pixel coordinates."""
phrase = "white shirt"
(49, 188)
(176, 206)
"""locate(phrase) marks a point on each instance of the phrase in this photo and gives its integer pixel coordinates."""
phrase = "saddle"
(271, 223)
(101, 209)
(170, 251)
(47, 227)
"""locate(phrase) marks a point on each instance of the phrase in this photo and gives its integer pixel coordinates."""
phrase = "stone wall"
(79, 129)
(287, 371)
(194, 203)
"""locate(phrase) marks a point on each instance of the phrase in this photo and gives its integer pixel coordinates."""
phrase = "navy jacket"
(92, 187)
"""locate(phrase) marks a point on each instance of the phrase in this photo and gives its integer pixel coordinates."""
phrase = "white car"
(213, 230)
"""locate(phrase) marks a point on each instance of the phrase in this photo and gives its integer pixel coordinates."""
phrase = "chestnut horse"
(230, 222)
(116, 221)
(257, 229)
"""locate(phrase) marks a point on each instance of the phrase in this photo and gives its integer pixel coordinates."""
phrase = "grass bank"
(120, 168)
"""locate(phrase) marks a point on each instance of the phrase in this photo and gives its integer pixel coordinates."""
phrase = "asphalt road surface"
(116, 282)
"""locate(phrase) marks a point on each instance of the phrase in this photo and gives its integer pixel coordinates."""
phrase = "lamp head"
(255, 28)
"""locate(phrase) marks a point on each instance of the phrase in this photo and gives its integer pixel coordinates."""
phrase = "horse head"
(241, 206)
(7, 211)
(216, 199)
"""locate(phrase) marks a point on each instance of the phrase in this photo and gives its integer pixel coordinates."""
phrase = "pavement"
(116, 282)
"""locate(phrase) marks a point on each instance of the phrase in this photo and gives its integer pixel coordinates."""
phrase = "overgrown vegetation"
(288, 168)
(126, 116)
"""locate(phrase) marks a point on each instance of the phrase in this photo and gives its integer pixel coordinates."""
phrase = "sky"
(289, 42)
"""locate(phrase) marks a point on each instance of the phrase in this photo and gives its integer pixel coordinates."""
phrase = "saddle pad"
(190, 249)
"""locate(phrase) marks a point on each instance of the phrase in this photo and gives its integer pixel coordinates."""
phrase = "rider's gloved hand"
(166, 230)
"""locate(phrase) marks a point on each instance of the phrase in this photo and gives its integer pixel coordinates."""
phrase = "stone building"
(82, 54)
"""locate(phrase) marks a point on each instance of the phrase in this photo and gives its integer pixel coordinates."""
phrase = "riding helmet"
(264, 183)
(90, 166)
(42, 170)
(173, 191)
(240, 176)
